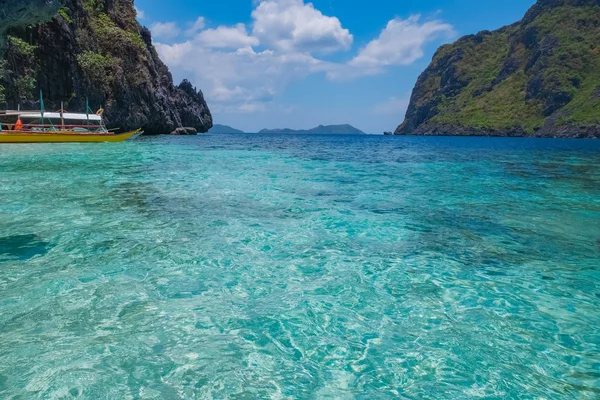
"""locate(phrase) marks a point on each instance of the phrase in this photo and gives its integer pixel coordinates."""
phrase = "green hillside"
(540, 76)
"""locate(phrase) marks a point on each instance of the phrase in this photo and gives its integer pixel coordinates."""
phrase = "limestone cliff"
(537, 77)
(93, 48)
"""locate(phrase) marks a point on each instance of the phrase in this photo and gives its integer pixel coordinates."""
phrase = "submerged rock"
(96, 50)
(22, 247)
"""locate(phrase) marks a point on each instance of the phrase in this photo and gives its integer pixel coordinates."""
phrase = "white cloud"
(238, 81)
(140, 13)
(292, 25)
(198, 25)
(400, 43)
(227, 37)
(165, 30)
(244, 72)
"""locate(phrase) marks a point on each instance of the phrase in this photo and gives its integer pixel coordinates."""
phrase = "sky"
(299, 64)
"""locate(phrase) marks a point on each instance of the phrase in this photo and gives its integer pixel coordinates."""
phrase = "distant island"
(320, 130)
(217, 128)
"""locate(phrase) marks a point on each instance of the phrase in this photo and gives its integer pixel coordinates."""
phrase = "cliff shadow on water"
(73, 49)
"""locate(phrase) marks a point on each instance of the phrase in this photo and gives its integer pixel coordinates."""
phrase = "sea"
(300, 267)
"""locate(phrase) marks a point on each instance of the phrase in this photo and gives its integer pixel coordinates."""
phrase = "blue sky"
(298, 64)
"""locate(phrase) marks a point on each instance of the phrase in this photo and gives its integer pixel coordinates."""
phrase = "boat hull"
(64, 137)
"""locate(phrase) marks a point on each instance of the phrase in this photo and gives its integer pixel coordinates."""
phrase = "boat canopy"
(67, 116)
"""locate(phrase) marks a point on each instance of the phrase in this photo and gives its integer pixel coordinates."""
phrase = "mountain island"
(537, 77)
(218, 128)
(320, 130)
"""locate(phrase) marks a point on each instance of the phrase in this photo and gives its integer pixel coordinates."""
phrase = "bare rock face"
(22, 12)
(96, 50)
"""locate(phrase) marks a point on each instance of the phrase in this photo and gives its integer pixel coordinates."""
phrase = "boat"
(18, 126)
(388, 133)
(59, 127)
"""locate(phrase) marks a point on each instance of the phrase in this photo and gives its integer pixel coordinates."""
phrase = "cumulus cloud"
(242, 80)
(292, 25)
(198, 25)
(165, 30)
(244, 71)
(400, 43)
(227, 37)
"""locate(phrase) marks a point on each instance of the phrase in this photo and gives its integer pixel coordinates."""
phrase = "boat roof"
(69, 116)
(50, 115)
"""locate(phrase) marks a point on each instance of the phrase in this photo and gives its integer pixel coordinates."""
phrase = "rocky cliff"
(93, 48)
(537, 77)
(18, 12)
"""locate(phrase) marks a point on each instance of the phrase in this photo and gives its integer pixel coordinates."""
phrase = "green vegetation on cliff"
(2, 88)
(540, 76)
(23, 54)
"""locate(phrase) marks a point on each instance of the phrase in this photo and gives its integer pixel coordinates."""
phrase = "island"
(537, 77)
(320, 130)
(96, 54)
(217, 128)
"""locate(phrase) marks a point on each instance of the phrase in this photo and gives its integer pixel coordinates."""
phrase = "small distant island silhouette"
(320, 130)
(217, 128)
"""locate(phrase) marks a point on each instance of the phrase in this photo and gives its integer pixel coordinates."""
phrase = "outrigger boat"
(57, 127)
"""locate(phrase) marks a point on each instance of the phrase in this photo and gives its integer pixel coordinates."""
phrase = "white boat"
(53, 127)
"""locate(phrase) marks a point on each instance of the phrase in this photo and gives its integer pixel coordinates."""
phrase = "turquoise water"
(307, 267)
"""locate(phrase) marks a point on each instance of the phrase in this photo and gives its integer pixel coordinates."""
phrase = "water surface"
(256, 266)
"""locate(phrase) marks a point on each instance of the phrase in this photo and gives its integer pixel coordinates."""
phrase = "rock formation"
(94, 49)
(537, 77)
(18, 12)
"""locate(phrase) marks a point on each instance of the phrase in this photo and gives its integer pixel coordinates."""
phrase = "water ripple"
(301, 267)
